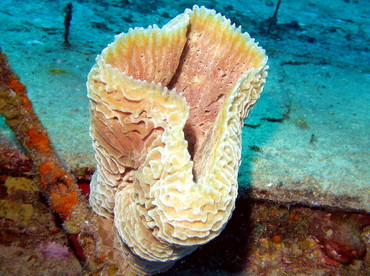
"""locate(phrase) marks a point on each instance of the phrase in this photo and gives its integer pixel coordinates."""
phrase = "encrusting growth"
(167, 107)
(17, 109)
(55, 182)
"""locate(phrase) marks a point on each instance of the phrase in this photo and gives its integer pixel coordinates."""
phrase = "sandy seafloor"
(306, 141)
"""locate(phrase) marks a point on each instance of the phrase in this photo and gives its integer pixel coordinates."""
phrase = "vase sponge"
(167, 108)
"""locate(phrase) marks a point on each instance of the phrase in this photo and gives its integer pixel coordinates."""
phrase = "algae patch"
(21, 213)
(20, 183)
(58, 71)
(301, 123)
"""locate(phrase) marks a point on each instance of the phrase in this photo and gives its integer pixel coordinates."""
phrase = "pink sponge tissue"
(54, 250)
